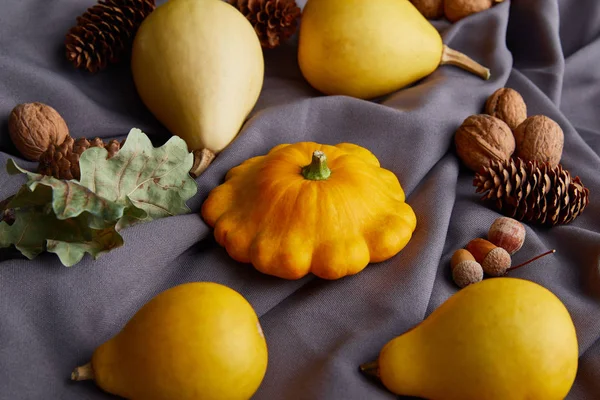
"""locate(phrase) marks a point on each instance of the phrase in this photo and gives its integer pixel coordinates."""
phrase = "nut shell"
(467, 272)
(431, 9)
(482, 138)
(459, 256)
(508, 105)
(507, 233)
(540, 139)
(33, 127)
(456, 10)
(497, 262)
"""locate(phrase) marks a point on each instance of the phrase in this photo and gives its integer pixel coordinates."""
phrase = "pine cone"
(532, 192)
(62, 161)
(104, 32)
(273, 20)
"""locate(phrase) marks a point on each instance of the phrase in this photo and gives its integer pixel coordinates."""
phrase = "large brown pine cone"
(62, 161)
(105, 32)
(532, 192)
(273, 20)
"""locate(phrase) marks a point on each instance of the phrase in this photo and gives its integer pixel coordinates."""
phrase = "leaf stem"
(533, 259)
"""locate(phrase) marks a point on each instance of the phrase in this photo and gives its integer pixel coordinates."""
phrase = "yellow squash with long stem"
(310, 208)
(368, 48)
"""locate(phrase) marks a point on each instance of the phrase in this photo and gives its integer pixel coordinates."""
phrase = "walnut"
(540, 139)
(482, 138)
(431, 9)
(34, 126)
(459, 9)
(508, 105)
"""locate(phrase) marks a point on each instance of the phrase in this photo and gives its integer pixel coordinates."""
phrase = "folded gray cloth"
(318, 332)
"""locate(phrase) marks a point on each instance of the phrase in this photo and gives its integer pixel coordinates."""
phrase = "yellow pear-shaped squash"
(198, 66)
(199, 340)
(370, 48)
(310, 208)
(498, 339)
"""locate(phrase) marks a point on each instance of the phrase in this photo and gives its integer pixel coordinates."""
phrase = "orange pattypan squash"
(307, 207)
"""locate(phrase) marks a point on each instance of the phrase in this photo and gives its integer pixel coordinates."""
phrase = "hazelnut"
(431, 9)
(507, 233)
(508, 105)
(458, 9)
(482, 138)
(33, 127)
(540, 139)
(465, 270)
(494, 260)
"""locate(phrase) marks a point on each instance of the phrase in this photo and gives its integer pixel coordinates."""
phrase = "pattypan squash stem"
(317, 170)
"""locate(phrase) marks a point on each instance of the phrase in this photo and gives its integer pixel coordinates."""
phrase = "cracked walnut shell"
(482, 138)
(33, 127)
(540, 139)
(508, 105)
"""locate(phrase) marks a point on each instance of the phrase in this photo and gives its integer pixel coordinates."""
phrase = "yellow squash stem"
(202, 159)
(317, 170)
(458, 59)
(83, 373)
(370, 369)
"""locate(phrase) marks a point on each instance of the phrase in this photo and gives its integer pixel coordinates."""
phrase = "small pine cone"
(274, 21)
(104, 32)
(62, 162)
(532, 192)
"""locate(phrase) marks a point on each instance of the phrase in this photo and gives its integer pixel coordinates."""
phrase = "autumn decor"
(431, 9)
(541, 139)
(137, 184)
(33, 127)
(507, 233)
(532, 192)
(336, 35)
(508, 105)
(465, 269)
(482, 138)
(310, 208)
(517, 162)
(491, 257)
(455, 10)
(274, 21)
(62, 161)
(104, 33)
(199, 68)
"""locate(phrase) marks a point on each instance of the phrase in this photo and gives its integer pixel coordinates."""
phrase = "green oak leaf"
(140, 176)
(68, 198)
(62, 217)
(71, 218)
(70, 253)
(34, 226)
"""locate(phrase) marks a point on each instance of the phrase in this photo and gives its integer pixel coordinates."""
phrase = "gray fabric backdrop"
(318, 332)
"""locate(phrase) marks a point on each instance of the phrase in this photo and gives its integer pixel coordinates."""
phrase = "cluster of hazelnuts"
(491, 257)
